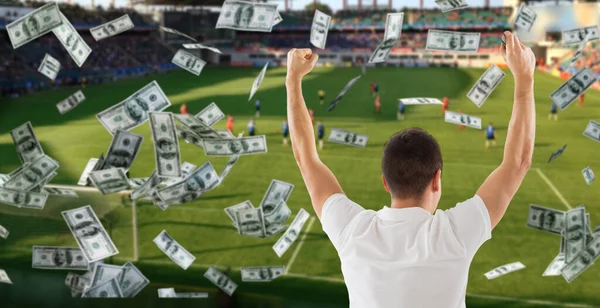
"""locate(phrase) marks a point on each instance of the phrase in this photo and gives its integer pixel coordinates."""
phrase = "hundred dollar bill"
(192, 295)
(200, 46)
(291, 234)
(452, 41)
(546, 219)
(230, 211)
(105, 272)
(220, 280)
(173, 250)
(251, 222)
(89, 233)
(76, 282)
(70, 102)
(166, 293)
(278, 191)
(588, 175)
(152, 182)
(64, 192)
(189, 136)
(579, 52)
(59, 258)
(348, 138)
(188, 62)
(258, 81)
(247, 16)
(573, 88)
(592, 130)
(556, 266)
(504, 269)
(210, 115)
(393, 28)
(193, 186)
(451, 5)
(4, 277)
(166, 144)
(110, 181)
(49, 67)
(486, 84)
(583, 261)
(576, 36)
(275, 229)
(346, 88)
(137, 182)
(278, 19)
(261, 273)
(133, 281)
(557, 153)
(83, 180)
(279, 215)
(197, 126)
(225, 134)
(3, 232)
(230, 163)
(186, 170)
(133, 111)
(23, 199)
(123, 150)
(420, 101)
(108, 289)
(173, 31)
(240, 146)
(574, 233)
(525, 18)
(27, 144)
(34, 25)
(32, 175)
(319, 29)
(3, 179)
(462, 119)
(112, 27)
(72, 41)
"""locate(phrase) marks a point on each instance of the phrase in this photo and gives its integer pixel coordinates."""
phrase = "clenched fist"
(299, 63)
(519, 58)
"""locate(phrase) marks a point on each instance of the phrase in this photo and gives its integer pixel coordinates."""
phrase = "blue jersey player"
(320, 134)
(285, 129)
(400, 110)
(553, 112)
(257, 104)
(490, 134)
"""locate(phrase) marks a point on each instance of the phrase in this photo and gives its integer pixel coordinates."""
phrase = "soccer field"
(204, 229)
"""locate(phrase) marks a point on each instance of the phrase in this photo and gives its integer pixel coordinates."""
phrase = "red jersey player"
(581, 97)
(445, 103)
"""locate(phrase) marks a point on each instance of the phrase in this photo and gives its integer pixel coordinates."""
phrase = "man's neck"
(408, 203)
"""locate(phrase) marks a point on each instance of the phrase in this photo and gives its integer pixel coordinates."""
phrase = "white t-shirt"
(406, 257)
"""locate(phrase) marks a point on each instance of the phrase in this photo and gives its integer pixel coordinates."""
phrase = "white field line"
(553, 188)
(295, 254)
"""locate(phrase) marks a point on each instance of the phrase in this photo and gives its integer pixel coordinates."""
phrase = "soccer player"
(320, 133)
(321, 96)
(377, 104)
(445, 103)
(490, 134)
(553, 112)
(409, 254)
(372, 88)
(183, 109)
(376, 89)
(251, 125)
(285, 129)
(581, 97)
(257, 104)
(230, 123)
(400, 110)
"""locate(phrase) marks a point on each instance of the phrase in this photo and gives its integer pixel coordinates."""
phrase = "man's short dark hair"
(410, 159)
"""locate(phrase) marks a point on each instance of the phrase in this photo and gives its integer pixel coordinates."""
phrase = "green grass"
(204, 229)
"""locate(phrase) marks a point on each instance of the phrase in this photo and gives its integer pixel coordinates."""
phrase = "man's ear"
(436, 182)
(385, 184)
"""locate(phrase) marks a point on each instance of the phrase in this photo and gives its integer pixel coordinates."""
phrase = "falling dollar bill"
(23, 199)
(573, 88)
(63, 192)
(240, 146)
(485, 85)
(89, 233)
(173, 250)
(393, 28)
(200, 46)
(72, 41)
(346, 137)
(186, 170)
(133, 281)
(576, 36)
(230, 211)
(588, 175)
(230, 163)
(3, 179)
(546, 219)
(451, 5)
(258, 81)
(525, 18)
(574, 233)
(420, 101)
(191, 295)
(346, 88)
(4, 277)
(462, 119)
(33, 174)
(133, 111)
(188, 61)
(220, 280)
(440, 40)
(504, 269)
(153, 181)
(276, 192)
(557, 153)
(247, 16)
(166, 293)
(59, 258)
(105, 272)
(579, 52)
(110, 181)
(278, 19)
(592, 130)
(556, 266)
(278, 215)
(291, 234)
(34, 25)
(582, 261)
(275, 229)
(70, 102)
(251, 222)
(112, 27)
(196, 127)
(3, 232)
(136, 182)
(86, 171)
(261, 273)
(173, 31)
(166, 144)
(319, 29)
(27, 144)
(210, 115)
(49, 67)
(77, 283)
(193, 186)
(108, 289)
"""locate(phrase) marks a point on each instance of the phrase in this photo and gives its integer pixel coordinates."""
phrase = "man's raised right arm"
(502, 184)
